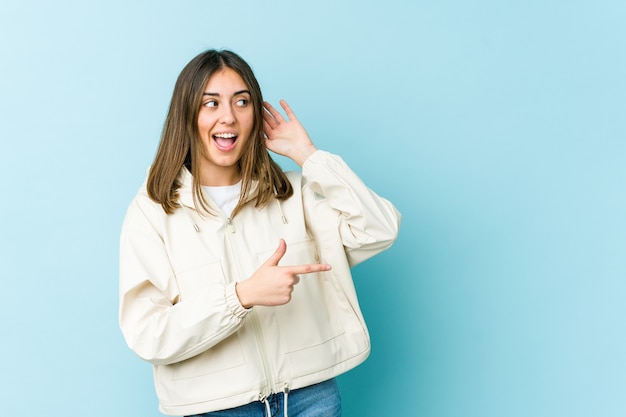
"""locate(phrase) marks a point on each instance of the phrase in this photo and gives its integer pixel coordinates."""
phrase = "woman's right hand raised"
(272, 285)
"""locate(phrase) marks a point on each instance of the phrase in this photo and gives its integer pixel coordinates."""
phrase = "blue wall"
(499, 131)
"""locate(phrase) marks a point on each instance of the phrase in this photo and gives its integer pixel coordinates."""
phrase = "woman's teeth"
(225, 141)
(225, 135)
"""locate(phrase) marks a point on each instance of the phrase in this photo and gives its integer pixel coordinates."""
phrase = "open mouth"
(225, 141)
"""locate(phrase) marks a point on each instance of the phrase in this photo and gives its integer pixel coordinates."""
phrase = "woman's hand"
(286, 137)
(272, 285)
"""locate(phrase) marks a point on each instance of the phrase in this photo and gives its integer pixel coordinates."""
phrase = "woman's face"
(225, 122)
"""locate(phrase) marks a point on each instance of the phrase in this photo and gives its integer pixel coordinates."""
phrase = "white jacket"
(178, 305)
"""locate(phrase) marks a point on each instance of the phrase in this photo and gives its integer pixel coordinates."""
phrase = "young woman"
(234, 275)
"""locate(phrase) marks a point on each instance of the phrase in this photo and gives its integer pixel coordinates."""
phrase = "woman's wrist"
(241, 294)
(303, 154)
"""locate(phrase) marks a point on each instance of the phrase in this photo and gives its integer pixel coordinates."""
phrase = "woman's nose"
(227, 116)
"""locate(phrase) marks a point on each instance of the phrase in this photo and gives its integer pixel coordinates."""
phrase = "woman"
(234, 275)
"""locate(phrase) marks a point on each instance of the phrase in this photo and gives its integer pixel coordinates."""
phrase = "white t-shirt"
(226, 197)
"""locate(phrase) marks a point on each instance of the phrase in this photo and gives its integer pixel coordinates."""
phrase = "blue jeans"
(319, 400)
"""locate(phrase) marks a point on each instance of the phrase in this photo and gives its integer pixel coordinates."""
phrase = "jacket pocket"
(225, 355)
(308, 319)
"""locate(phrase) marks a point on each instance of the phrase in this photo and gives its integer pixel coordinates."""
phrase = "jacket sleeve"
(158, 326)
(368, 223)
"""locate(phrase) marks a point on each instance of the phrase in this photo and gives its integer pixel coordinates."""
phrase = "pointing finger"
(309, 268)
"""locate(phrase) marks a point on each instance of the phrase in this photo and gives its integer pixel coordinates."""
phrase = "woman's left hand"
(286, 137)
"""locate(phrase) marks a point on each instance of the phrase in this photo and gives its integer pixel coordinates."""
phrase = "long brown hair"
(181, 144)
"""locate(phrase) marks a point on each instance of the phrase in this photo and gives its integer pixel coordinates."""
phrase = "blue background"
(497, 128)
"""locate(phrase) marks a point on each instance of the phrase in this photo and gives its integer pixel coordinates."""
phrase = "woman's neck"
(218, 178)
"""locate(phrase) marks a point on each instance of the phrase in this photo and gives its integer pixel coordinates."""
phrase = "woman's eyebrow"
(208, 93)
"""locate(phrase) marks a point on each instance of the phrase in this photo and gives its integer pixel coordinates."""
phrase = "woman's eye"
(242, 102)
(211, 103)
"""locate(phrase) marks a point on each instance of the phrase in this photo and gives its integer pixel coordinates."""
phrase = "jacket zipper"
(267, 368)
(256, 325)
(231, 227)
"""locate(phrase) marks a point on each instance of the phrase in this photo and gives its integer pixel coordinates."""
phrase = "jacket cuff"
(232, 301)
(315, 158)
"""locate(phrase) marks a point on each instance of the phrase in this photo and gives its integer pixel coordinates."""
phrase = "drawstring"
(282, 214)
(264, 399)
(286, 391)
(185, 209)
